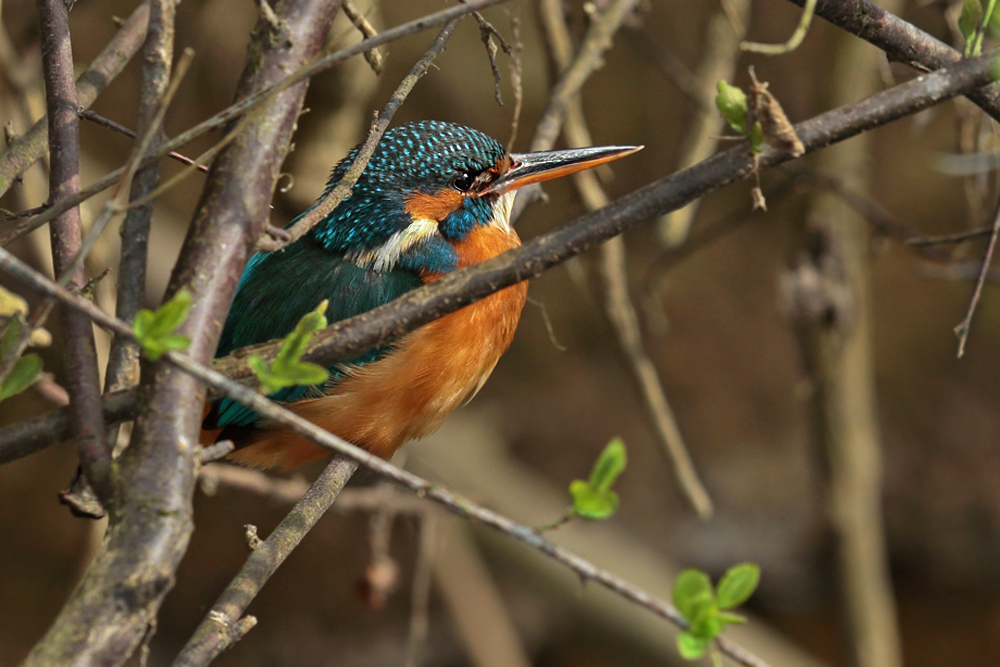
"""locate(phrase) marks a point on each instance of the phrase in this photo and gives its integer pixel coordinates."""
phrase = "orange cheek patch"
(434, 206)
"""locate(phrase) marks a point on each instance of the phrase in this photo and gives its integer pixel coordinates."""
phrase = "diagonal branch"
(618, 305)
(215, 633)
(348, 338)
(238, 596)
(332, 197)
(102, 71)
(901, 41)
(250, 102)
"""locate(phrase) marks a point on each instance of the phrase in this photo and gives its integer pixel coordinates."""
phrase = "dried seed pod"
(764, 108)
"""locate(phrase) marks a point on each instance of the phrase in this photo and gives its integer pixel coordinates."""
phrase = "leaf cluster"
(594, 498)
(155, 330)
(288, 369)
(706, 610)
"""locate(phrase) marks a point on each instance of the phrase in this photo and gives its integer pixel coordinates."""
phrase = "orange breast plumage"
(408, 393)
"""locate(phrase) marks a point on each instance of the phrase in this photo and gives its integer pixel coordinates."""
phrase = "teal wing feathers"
(278, 289)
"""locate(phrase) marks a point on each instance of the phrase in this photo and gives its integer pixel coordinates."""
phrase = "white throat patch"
(501, 210)
(385, 257)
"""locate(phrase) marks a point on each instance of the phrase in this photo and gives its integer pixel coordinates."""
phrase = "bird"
(435, 197)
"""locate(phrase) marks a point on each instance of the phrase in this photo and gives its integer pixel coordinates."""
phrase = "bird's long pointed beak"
(529, 168)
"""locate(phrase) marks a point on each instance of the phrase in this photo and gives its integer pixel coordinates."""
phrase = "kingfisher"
(435, 197)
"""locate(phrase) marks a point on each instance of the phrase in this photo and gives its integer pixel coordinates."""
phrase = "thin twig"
(962, 330)
(104, 69)
(94, 117)
(880, 219)
(793, 42)
(718, 63)
(233, 602)
(420, 598)
(214, 634)
(487, 31)
(959, 237)
(123, 357)
(588, 59)
(618, 304)
(120, 194)
(374, 56)
(358, 499)
(336, 194)
(348, 338)
(244, 105)
(516, 72)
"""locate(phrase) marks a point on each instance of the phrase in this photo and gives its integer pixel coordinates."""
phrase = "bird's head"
(428, 185)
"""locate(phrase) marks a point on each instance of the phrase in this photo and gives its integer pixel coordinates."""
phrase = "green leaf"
(729, 618)
(737, 585)
(155, 330)
(970, 20)
(609, 466)
(691, 647)
(994, 22)
(296, 342)
(710, 627)
(589, 503)
(10, 336)
(303, 373)
(288, 370)
(24, 372)
(693, 596)
(732, 104)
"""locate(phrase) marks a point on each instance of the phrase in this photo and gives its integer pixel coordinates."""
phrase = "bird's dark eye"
(463, 181)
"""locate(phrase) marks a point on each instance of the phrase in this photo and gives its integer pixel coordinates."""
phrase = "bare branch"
(718, 63)
(214, 635)
(902, 42)
(962, 330)
(338, 192)
(348, 338)
(793, 42)
(123, 358)
(105, 68)
(151, 521)
(374, 56)
(83, 381)
(94, 117)
(244, 105)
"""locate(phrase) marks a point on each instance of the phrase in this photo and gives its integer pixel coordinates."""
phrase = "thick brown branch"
(901, 41)
(83, 381)
(348, 338)
(149, 533)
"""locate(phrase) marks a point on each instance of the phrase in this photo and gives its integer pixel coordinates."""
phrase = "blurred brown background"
(727, 355)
